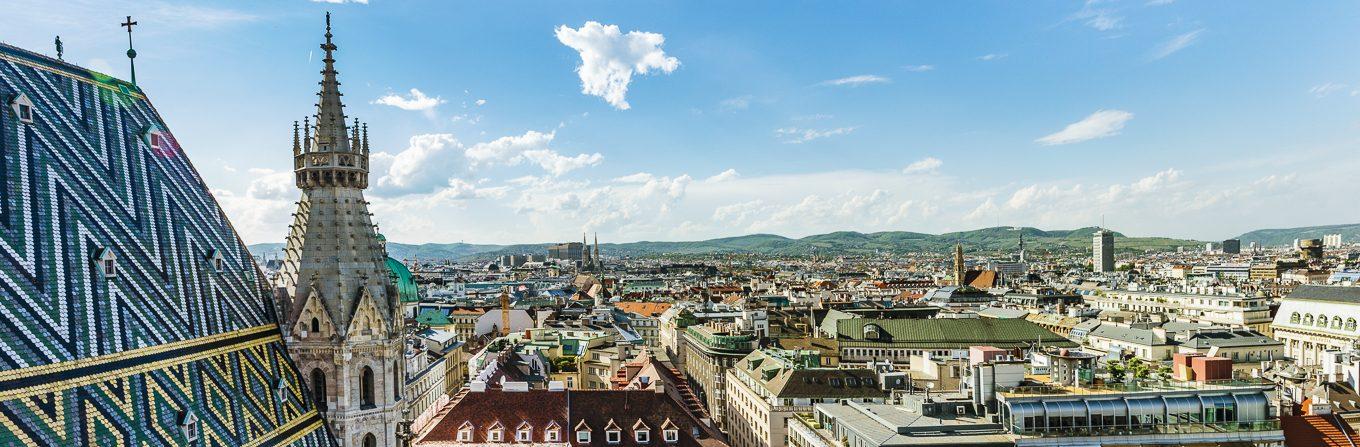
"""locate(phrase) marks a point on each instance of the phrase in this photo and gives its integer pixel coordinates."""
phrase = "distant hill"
(410, 251)
(1286, 236)
(995, 239)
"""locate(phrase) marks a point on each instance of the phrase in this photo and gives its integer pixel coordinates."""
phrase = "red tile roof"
(597, 409)
(1316, 431)
(644, 308)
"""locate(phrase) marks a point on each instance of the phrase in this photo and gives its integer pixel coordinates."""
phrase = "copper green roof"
(433, 317)
(947, 333)
(406, 284)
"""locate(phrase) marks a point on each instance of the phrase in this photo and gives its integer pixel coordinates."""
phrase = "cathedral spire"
(297, 146)
(331, 134)
(365, 147)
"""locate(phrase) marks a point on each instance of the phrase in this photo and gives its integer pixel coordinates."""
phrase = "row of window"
(582, 436)
(1321, 321)
(107, 262)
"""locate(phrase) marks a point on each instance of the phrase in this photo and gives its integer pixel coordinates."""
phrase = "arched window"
(366, 387)
(1322, 321)
(316, 326)
(319, 389)
(1294, 318)
(1336, 322)
(1350, 324)
(370, 440)
(1308, 319)
(396, 384)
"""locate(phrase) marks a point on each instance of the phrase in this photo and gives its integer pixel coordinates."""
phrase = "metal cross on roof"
(131, 53)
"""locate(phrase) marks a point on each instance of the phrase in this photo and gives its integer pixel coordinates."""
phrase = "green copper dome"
(401, 277)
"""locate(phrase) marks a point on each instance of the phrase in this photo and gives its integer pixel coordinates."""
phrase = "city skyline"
(689, 122)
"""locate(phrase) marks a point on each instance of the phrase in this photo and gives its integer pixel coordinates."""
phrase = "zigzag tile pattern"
(87, 359)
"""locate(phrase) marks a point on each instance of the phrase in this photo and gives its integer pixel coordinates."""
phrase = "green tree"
(1116, 369)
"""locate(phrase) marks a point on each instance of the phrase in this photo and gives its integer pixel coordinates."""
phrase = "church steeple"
(331, 134)
(338, 305)
(960, 271)
(332, 155)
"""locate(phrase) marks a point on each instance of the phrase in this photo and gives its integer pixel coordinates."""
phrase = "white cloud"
(508, 149)
(1328, 88)
(858, 80)
(1098, 18)
(919, 68)
(480, 102)
(641, 177)
(414, 100)
(1176, 44)
(992, 56)
(729, 174)
(1101, 124)
(610, 58)
(559, 164)
(928, 164)
(799, 135)
(738, 103)
(532, 146)
(427, 163)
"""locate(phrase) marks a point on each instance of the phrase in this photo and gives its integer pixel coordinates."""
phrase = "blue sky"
(1188, 119)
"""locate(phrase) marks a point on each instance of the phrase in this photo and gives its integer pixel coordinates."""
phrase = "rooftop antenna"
(131, 53)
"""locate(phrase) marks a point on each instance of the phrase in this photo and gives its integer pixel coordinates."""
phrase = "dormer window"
(524, 433)
(613, 436)
(188, 426)
(671, 435)
(641, 432)
(107, 263)
(155, 140)
(216, 260)
(23, 108)
(494, 435)
(465, 432)
(583, 436)
(552, 435)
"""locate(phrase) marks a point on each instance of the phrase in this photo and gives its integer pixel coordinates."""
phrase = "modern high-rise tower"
(337, 304)
(1102, 251)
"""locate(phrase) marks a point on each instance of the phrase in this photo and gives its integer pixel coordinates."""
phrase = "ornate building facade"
(337, 303)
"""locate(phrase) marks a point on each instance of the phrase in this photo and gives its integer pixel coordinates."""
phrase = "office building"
(1232, 246)
(1102, 251)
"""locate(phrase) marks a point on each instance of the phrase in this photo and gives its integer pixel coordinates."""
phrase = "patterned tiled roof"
(181, 328)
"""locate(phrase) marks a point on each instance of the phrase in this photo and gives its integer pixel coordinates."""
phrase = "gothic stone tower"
(337, 305)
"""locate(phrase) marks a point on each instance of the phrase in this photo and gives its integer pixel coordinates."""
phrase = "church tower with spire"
(960, 272)
(338, 306)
